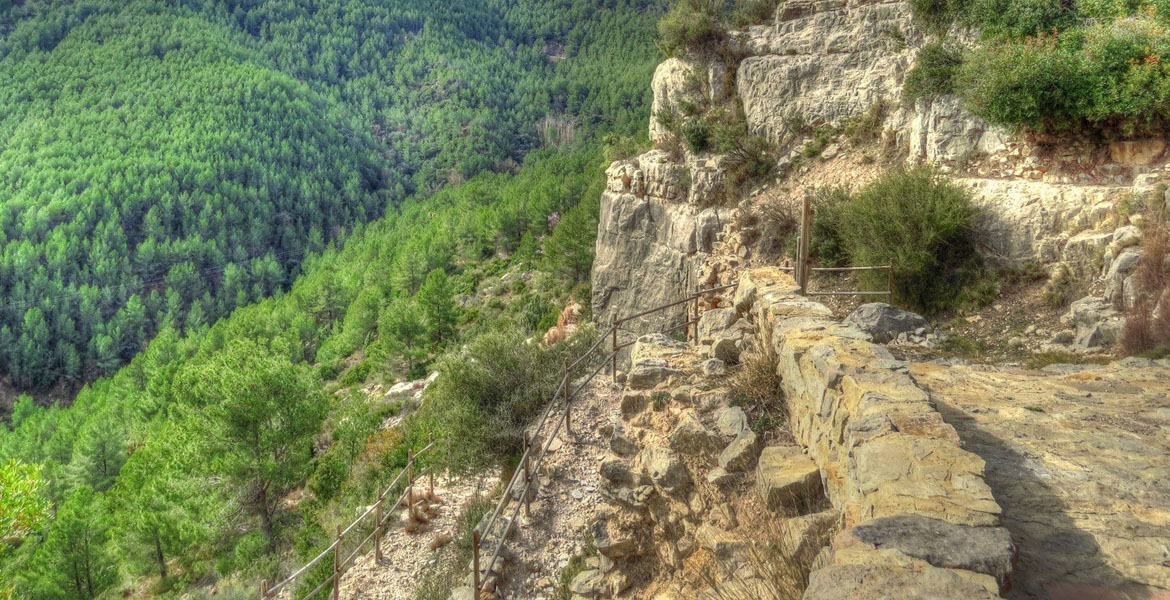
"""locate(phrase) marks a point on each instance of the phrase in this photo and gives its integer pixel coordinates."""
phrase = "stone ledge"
(887, 459)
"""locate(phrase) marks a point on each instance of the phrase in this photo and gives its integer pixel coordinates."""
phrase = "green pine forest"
(165, 162)
(221, 220)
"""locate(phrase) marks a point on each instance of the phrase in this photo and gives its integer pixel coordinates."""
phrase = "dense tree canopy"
(231, 212)
(166, 162)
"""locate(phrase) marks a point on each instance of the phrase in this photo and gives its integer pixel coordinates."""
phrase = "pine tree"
(436, 300)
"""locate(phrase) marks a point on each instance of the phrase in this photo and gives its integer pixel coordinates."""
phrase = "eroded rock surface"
(1079, 459)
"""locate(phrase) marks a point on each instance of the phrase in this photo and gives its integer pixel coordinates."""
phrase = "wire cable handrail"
(267, 591)
(532, 459)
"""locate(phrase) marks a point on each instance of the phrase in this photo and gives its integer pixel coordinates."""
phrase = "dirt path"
(1079, 459)
(405, 555)
(542, 545)
(570, 490)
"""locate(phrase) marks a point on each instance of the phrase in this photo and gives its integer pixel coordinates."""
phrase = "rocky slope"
(667, 227)
(921, 480)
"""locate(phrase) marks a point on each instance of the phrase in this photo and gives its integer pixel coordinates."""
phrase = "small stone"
(588, 583)
(713, 367)
(633, 403)
(609, 545)
(719, 476)
(731, 421)
(739, 454)
(621, 444)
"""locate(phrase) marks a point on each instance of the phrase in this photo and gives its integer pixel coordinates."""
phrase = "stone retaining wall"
(918, 515)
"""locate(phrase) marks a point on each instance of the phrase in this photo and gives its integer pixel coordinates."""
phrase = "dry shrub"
(757, 388)
(1144, 331)
(780, 555)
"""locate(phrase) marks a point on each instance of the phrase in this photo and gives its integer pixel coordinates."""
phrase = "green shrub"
(866, 126)
(728, 128)
(918, 222)
(753, 12)
(752, 159)
(933, 73)
(1109, 77)
(697, 134)
(935, 14)
(691, 25)
(1016, 18)
(1000, 18)
(488, 392)
(825, 247)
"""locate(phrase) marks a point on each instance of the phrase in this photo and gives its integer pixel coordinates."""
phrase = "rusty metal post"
(568, 401)
(337, 565)
(475, 565)
(890, 284)
(378, 529)
(527, 477)
(410, 485)
(613, 357)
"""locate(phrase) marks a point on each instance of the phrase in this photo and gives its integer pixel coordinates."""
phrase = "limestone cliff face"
(1051, 203)
(653, 233)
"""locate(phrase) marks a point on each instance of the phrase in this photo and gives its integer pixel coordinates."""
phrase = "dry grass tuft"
(1145, 331)
(780, 555)
(757, 388)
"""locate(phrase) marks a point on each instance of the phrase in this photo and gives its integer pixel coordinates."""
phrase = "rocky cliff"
(667, 224)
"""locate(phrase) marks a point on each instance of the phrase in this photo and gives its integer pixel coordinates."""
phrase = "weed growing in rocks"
(779, 556)
(756, 387)
(447, 573)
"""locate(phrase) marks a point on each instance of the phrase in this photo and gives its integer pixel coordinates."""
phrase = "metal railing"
(804, 261)
(534, 454)
(536, 447)
(381, 516)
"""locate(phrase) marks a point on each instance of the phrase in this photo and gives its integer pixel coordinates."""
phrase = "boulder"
(986, 550)
(884, 322)
(1097, 323)
(649, 372)
(713, 367)
(740, 453)
(726, 350)
(788, 480)
(691, 437)
(731, 421)
(714, 323)
(665, 469)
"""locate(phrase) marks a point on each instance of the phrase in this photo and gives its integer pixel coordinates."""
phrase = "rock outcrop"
(824, 62)
(655, 227)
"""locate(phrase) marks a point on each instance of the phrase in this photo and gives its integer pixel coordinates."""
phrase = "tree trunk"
(158, 556)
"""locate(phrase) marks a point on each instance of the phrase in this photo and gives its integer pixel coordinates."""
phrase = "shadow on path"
(1056, 559)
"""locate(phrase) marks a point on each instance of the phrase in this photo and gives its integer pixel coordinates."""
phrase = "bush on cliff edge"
(920, 223)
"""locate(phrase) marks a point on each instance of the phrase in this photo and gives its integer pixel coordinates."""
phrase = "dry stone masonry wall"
(918, 515)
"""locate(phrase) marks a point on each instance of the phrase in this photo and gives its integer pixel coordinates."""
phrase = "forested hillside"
(165, 162)
(226, 449)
